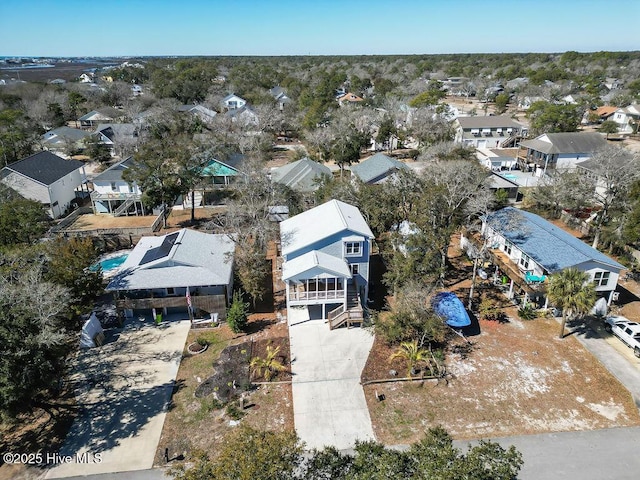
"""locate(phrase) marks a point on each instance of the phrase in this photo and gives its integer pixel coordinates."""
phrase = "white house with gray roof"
(558, 151)
(113, 194)
(63, 139)
(487, 131)
(46, 178)
(627, 118)
(160, 270)
(325, 267)
(528, 248)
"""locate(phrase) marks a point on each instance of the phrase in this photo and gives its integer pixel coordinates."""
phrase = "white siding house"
(46, 178)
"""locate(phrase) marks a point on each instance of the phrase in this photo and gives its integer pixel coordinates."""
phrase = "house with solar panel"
(47, 178)
(160, 271)
(325, 252)
(525, 249)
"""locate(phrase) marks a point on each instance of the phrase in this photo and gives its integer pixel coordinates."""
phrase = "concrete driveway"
(123, 389)
(329, 407)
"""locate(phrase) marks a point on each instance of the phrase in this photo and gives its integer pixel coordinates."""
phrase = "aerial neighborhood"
(349, 252)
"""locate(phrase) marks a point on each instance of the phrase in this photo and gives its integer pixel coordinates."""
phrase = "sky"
(64, 28)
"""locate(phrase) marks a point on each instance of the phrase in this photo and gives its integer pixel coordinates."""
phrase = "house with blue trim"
(527, 248)
(325, 268)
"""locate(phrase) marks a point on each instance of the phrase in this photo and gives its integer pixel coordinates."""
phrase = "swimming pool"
(109, 263)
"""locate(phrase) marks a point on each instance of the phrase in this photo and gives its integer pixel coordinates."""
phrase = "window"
(600, 279)
(171, 291)
(507, 247)
(355, 268)
(352, 249)
(524, 261)
(114, 187)
(130, 188)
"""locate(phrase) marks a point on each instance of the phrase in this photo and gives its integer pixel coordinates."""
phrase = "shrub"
(489, 309)
(234, 411)
(237, 314)
(527, 312)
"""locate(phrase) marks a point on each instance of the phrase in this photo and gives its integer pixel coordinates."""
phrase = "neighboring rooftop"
(44, 167)
(567, 142)
(302, 175)
(548, 245)
(186, 258)
(114, 172)
(377, 166)
(490, 121)
(65, 133)
(319, 223)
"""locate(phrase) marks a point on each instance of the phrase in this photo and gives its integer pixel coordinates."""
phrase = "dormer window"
(498, 130)
(475, 131)
(486, 131)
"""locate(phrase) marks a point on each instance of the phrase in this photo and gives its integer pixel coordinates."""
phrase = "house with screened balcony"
(325, 253)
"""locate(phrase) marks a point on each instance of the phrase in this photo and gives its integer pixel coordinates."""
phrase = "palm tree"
(572, 292)
(411, 353)
(269, 365)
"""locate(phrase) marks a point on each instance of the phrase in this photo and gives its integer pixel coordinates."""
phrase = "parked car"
(625, 330)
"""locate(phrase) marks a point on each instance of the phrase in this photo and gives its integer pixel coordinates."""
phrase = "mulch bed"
(259, 349)
(230, 374)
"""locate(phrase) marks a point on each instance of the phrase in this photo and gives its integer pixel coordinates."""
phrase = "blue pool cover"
(449, 307)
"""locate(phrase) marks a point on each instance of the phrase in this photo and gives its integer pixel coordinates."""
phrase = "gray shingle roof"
(66, 133)
(114, 172)
(301, 175)
(377, 166)
(491, 121)
(568, 142)
(548, 245)
(186, 258)
(45, 167)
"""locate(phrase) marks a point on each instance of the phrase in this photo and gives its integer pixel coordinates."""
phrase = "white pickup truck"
(625, 330)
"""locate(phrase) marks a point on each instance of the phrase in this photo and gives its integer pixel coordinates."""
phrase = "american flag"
(188, 298)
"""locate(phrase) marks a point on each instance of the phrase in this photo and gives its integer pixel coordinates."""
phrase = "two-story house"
(113, 194)
(325, 267)
(558, 151)
(526, 248)
(487, 132)
(627, 118)
(46, 178)
(233, 101)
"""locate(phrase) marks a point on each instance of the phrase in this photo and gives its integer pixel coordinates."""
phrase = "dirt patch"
(230, 375)
(513, 378)
(32, 433)
(518, 379)
(202, 423)
(259, 349)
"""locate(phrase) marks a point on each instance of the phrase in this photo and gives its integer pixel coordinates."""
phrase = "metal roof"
(319, 223)
(377, 166)
(316, 263)
(548, 245)
(300, 175)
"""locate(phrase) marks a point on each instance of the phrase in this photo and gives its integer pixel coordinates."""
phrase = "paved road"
(124, 387)
(613, 354)
(609, 454)
(329, 407)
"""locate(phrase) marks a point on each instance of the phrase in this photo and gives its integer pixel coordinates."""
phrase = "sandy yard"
(518, 379)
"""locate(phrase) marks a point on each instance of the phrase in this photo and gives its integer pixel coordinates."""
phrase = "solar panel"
(162, 251)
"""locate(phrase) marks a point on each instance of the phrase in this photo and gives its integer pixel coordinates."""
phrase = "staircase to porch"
(124, 207)
(352, 314)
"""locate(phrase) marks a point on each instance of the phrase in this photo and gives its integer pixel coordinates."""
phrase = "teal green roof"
(215, 168)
